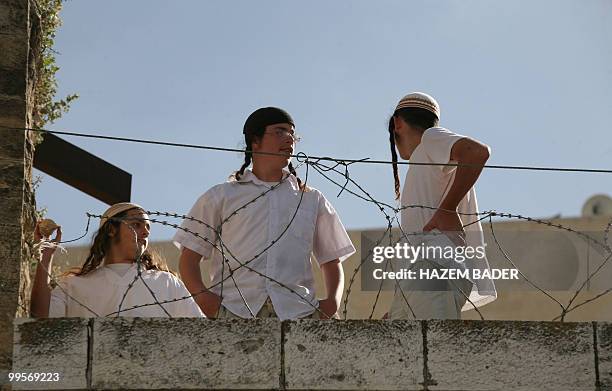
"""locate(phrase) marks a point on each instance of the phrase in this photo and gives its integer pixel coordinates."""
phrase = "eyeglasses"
(286, 133)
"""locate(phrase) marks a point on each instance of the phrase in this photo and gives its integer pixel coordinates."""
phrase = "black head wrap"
(260, 118)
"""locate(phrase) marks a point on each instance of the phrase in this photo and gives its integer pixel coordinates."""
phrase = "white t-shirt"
(120, 268)
(103, 289)
(428, 185)
(315, 229)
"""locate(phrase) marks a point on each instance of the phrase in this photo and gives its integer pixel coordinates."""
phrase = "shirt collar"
(248, 176)
(126, 279)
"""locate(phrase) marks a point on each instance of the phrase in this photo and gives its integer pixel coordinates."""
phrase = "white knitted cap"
(421, 101)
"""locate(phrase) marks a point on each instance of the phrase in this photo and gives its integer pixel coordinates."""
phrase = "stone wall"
(251, 354)
(138, 353)
(19, 40)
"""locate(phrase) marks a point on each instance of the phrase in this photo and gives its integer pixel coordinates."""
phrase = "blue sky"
(531, 79)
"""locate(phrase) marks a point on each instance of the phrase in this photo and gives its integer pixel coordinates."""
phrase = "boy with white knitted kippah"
(443, 192)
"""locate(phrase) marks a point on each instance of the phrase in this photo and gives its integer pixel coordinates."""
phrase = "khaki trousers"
(267, 311)
(429, 299)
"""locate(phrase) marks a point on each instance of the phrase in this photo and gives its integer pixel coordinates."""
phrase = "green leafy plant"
(46, 108)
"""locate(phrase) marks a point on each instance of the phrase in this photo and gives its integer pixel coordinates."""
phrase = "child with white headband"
(109, 283)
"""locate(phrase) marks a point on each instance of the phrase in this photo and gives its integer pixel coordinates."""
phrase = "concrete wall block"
(12, 177)
(13, 115)
(14, 49)
(604, 354)
(13, 82)
(51, 346)
(504, 355)
(11, 209)
(353, 354)
(13, 154)
(13, 16)
(10, 250)
(140, 353)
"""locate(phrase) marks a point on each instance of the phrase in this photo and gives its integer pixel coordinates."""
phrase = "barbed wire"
(347, 184)
(337, 161)
(138, 276)
(488, 215)
(223, 247)
(67, 296)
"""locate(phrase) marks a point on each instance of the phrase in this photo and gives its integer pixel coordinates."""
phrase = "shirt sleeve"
(197, 232)
(58, 303)
(331, 241)
(186, 307)
(438, 143)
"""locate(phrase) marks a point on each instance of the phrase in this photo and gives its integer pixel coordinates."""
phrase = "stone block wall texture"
(223, 354)
(266, 354)
(604, 353)
(52, 346)
(19, 43)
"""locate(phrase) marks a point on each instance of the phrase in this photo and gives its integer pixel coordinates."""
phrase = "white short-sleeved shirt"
(428, 185)
(103, 289)
(315, 229)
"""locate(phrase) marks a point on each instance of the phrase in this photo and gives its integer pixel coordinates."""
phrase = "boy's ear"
(256, 142)
(397, 122)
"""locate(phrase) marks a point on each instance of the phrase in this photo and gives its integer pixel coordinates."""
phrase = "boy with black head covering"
(274, 235)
